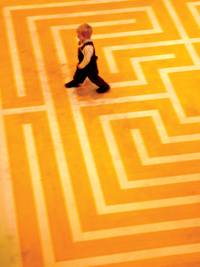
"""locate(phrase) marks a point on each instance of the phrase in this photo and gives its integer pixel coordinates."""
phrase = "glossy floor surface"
(92, 179)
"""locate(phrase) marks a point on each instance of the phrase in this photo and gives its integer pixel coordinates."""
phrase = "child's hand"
(78, 66)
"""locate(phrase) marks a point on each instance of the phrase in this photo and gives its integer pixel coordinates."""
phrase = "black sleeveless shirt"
(81, 55)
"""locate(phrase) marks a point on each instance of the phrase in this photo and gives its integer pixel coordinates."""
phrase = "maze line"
(23, 110)
(156, 26)
(56, 29)
(137, 68)
(86, 147)
(163, 74)
(70, 202)
(10, 227)
(108, 50)
(113, 67)
(12, 40)
(176, 103)
(14, 54)
(165, 139)
(192, 6)
(100, 202)
(146, 160)
(76, 229)
(45, 233)
(94, 24)
(133, 256)
(182, 32)
(160, 127)
(36, 180)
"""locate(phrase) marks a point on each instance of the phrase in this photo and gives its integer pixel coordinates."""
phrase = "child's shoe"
(103, 89)
(71, 84)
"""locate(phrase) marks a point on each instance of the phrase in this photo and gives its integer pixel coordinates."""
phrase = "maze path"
(90, 180)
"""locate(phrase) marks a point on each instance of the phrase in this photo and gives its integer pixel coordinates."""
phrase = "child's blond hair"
(85, 30)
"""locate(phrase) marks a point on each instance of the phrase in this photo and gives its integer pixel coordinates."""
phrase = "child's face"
(81, 37)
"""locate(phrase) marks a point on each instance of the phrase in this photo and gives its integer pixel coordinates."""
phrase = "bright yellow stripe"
(23, 193)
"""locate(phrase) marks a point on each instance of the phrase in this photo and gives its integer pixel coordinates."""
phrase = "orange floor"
(92, 179)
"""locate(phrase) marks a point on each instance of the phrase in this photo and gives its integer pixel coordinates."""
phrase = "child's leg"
(79, 77)
(96, 79)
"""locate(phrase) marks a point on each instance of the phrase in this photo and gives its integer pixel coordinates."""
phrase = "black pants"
(90, 71)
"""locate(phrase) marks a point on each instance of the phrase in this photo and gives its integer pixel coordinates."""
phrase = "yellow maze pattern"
(92, 179)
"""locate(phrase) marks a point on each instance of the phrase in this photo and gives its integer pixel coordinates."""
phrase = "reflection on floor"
(108, 179)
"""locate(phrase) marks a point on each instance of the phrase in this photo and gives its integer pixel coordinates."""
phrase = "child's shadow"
(86, 92)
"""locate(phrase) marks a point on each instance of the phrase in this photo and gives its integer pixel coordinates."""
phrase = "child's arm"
(87, 52)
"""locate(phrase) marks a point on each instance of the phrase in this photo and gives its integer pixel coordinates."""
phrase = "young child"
(87, 66)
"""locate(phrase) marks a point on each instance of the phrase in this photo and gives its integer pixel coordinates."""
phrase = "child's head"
(84, 31)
